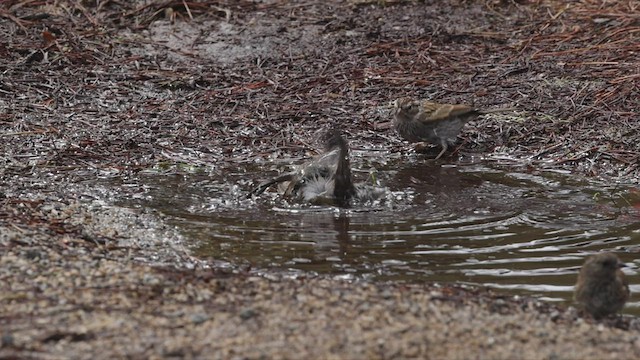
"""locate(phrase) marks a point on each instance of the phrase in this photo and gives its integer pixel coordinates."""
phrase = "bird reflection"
(327, 243)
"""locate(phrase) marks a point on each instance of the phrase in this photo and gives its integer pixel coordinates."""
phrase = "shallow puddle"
(511, 228)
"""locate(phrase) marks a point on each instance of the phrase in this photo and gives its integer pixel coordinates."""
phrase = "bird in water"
(326, 179)
(601, 288)
(439, 124)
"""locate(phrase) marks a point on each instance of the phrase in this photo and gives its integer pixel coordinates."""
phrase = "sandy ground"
(94, 293)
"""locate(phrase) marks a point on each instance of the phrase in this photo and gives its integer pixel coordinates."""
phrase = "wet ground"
(129, 131)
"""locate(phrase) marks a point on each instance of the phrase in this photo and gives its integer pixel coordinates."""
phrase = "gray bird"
(439, 124)
(601, 288)
(326, 179)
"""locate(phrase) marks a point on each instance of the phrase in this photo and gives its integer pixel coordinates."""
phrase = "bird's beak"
(622, 265)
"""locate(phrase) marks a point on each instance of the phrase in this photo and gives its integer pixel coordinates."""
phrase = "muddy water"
(507, 227)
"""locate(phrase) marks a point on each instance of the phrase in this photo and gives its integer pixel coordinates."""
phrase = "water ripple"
(523, 232)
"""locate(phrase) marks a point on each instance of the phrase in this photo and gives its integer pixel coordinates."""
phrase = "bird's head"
(407, 106)
(604, 264)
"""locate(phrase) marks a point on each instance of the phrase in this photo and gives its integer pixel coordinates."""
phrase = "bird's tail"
(491, 111)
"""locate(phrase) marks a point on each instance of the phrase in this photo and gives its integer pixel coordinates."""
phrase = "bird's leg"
(444, 148)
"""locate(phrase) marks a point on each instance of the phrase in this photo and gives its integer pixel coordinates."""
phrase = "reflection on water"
(516, 229)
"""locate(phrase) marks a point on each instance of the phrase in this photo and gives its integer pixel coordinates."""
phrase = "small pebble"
(199, 318)
(7, 340)
(247, 314)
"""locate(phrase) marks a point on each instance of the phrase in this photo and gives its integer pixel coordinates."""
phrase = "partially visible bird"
(439, 124)
(602, 288)
(326, 179)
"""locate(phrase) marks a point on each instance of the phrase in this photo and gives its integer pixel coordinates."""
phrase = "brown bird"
(326, 179)
(601, 288)
(439, 124)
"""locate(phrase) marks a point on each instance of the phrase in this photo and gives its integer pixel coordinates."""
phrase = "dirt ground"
(97, 89)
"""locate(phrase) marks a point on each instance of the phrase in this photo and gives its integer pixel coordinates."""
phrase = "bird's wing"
(265, 185)
(436, 112)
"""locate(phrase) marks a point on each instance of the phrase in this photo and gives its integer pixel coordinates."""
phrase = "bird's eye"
(609, 263)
